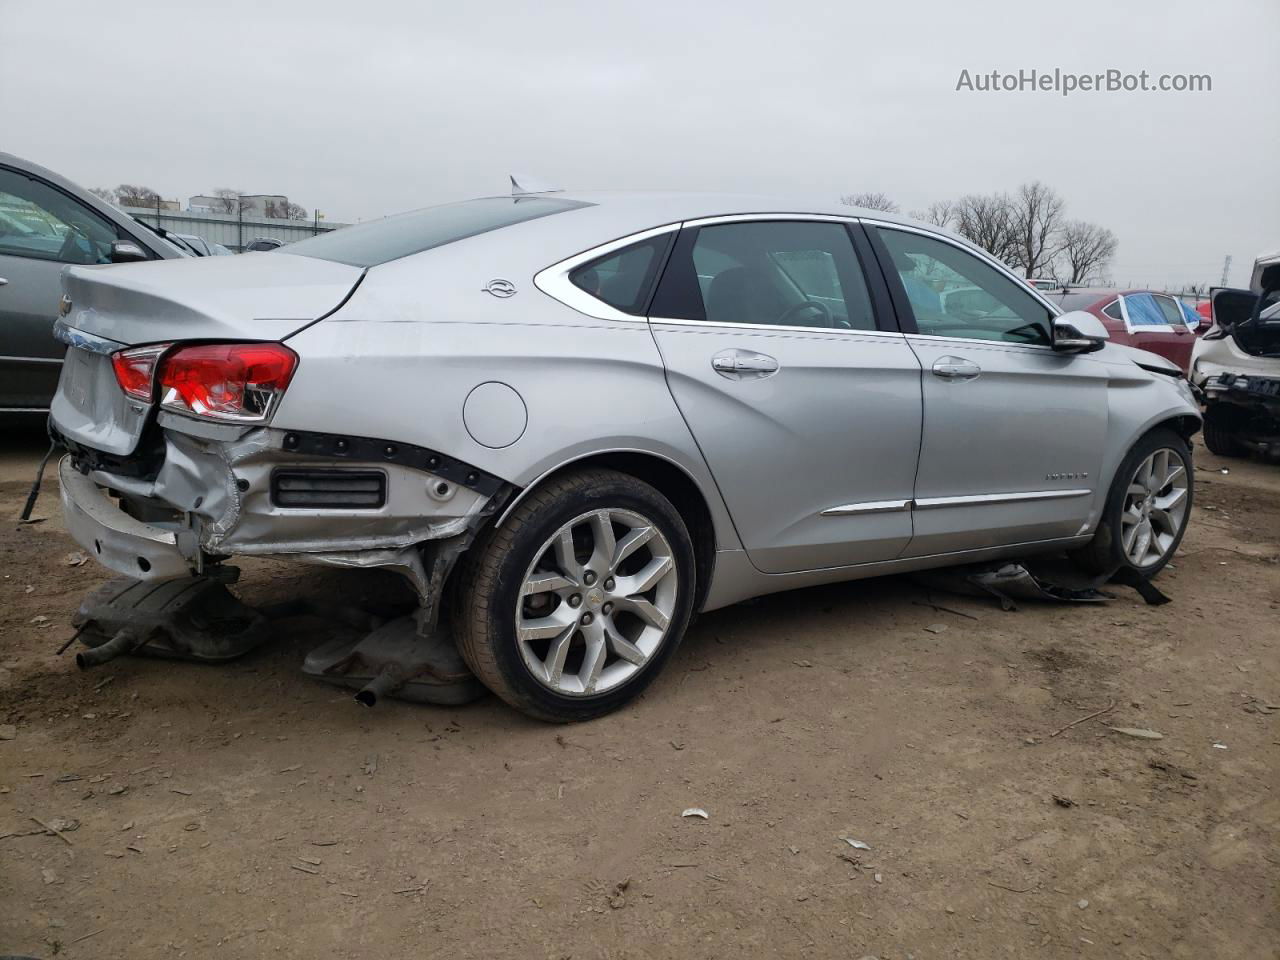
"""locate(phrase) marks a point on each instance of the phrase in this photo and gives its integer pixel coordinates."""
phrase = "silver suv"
(615, 410)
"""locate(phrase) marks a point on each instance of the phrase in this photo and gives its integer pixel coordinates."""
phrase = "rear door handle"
(3, 282)
(955, 368)
(739, 364)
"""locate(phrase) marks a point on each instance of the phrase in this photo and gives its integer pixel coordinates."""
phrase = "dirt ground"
(247, 811)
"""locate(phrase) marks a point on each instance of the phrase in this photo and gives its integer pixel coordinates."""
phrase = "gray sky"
(365, 109)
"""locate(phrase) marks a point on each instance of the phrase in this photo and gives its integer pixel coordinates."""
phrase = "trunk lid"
(254, 296)
(257, 296)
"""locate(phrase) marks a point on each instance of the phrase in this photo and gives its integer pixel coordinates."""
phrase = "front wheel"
(1147, 508)
(571, 607)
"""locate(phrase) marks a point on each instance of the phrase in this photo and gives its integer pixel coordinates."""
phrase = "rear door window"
(768, 273)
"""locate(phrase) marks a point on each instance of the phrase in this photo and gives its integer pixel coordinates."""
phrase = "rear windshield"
(369, 244)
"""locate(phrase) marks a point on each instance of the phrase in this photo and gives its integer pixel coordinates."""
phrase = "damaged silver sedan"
(582, 418)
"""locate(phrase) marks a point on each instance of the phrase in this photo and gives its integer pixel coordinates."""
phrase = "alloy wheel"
(1155, 508)
(596, 603)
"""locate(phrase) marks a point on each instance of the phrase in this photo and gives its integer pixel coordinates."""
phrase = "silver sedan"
(591, 415)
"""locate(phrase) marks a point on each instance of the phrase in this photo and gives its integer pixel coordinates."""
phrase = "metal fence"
(229, 229)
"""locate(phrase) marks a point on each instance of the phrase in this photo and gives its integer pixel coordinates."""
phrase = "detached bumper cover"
(119, 542)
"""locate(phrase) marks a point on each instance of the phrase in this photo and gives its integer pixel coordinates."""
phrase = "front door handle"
(3, 282)
(955, 368)
(743, 364)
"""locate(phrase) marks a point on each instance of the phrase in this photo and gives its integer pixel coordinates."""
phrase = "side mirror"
(126, 251)
(1079, 332)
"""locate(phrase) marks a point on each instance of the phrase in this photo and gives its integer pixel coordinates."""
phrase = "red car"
(1158, 322)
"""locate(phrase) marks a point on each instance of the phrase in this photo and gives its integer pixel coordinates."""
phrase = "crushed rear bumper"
(118, 541)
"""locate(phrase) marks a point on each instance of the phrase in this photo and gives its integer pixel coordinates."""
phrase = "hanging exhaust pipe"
(124, 641)
(389, 680)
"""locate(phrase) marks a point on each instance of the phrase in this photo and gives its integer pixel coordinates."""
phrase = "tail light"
(136, 370)
(240, 382)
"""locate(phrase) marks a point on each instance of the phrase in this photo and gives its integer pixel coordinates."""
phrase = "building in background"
(253, 205)
(233, 230)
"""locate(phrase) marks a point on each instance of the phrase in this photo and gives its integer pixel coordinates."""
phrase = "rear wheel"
(572, 606)
(1147, 508)
(1222, 423)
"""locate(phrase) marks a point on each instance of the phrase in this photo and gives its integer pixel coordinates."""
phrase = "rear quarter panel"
(399, 361)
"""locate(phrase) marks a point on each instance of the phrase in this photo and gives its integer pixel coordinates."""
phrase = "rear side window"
(369, 244)
(623, 279)
(1112, 310)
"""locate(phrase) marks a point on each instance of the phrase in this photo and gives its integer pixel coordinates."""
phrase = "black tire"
(1222, 422)
(1104, 553)
(493, 572)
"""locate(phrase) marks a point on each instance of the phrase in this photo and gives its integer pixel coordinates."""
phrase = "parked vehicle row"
(617, 410)
(47, 222)
(1145, 319)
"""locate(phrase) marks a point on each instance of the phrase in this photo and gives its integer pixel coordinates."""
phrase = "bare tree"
(104, 193)
(131, 195)
(1086, 248)
(986, 219)
(225, 200)
(870, 201)
(1036, 218)
(941, 213)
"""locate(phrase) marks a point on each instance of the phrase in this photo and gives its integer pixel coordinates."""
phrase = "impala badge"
(1066, 476)
(500, 288)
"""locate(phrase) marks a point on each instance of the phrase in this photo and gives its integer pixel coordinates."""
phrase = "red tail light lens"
(136, 370)
(227, 381)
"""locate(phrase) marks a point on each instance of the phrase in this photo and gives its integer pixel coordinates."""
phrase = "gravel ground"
(244, 810)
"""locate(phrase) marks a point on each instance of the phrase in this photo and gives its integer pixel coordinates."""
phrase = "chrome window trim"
(65, 333)
(869, 506)
(761, 327)
(979, 341)
(752, 217)
(554, 280)
(931, 503)
(1054, 309)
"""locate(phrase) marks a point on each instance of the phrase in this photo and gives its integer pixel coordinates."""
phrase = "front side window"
(775, 273)
(1172, 314)
(955, 294)
(41, 223)
(369, 244)
(624, 279)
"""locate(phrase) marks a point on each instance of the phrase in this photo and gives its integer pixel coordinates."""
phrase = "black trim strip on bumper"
(369, 450)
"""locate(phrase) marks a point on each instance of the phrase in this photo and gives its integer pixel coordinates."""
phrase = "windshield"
(369, 244)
